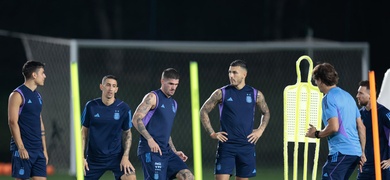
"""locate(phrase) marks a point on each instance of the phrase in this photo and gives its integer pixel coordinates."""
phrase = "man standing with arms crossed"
(154, 119)
(344, 128)
(368, 170)
(237, 138)
(106, 135)
(28, 142)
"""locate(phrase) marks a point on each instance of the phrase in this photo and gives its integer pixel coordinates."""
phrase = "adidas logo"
(29, 101)
(325, 175)
(96, 115)
(254, 171)
(162, 106)
(230, 99)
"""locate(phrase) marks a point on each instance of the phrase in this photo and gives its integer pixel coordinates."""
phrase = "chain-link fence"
(138, 65)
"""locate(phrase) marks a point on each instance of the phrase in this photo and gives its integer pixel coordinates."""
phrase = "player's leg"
(184, 174)
(96, 169)
(351, 163)
(21, 168)
(39, 178)
(38, 170)
(245, 162)
(130, 176)
(154, 166)
(338, 166)
(386, 173)
(224, 163)
(177, 168)
(368, 173)
(114, 164)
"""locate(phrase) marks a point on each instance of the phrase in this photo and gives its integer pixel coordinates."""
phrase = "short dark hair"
(326, 73)
(109, 77)
(30, 67)
(365, 83)
(240, 63)
(170, 73)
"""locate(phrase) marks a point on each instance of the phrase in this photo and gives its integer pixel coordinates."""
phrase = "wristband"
(316, 134)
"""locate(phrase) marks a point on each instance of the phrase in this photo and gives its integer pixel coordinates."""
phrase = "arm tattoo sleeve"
(171, 144)
(140, 113)
(264, 110)
(209, 105)
(126, 141)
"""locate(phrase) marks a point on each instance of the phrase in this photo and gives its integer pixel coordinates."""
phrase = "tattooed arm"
(126, 165)
(260, 101)
(262, 105)
(179, 153)
(171, 145)
(209, 105)
(126, 142)
(148, 103)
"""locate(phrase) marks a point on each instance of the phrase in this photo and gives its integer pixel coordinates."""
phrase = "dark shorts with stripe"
(26, 168)
(98, 166)
(164, 167)
(368, 173)
(241, 158)
(339, 166)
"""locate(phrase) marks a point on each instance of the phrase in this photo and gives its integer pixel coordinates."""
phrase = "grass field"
(262, 173)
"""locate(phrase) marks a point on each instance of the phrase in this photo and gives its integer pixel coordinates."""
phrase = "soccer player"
(237, 136)
(28, 142)
(106, 135)
(344, 128)
(154, 119)
(368, 170)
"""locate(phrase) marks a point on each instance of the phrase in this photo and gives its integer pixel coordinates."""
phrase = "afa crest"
(173, 108)
(21, 171)
(117, 115)
(248, 98)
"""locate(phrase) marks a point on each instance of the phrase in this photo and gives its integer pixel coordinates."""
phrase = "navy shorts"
(26, 168)
(162, 167)
(98, 166)
(368, 173)
(339, 166)
(238, 157)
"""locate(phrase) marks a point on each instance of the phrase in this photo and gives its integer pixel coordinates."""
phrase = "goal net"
(138, 65)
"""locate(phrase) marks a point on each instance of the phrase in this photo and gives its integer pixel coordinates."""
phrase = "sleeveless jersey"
(237, 112)
(29, 119)
(159, 122)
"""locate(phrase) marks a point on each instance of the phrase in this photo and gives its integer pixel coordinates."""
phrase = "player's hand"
(85, 167)
(154, 147)
(182, 155)
(126, 166)
(363, 160)
(255, 135)
(46, 157)
(311, 131)
(385, 164)
(23, 153)
(221, 136)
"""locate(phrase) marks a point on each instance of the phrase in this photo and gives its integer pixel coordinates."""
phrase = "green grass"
(262, 173)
